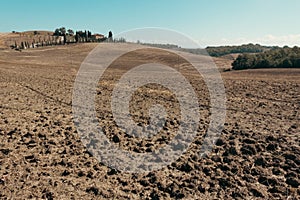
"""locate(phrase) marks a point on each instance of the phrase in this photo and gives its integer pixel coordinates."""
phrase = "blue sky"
(209, 22)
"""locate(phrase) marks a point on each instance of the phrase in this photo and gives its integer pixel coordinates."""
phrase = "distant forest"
(275, 58)
(245, 48)
(225, 50)
(251, 56)
(217, 51)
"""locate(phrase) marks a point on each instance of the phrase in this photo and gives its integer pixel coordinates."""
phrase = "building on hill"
(97, 36)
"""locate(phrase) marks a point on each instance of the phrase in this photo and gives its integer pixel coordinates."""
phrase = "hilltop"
(36, 38)
(9, 39)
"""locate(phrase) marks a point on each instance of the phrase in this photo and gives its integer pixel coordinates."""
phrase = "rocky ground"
(42, 157)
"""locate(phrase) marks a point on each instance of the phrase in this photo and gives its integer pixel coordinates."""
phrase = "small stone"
(116, 139)
(220, 142)
(112, 172)
(294, 126)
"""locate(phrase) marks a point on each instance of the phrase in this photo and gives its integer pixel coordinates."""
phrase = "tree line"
(60, 36)
(70, 36)
(275, 58)
(245, 48)
(216, 51)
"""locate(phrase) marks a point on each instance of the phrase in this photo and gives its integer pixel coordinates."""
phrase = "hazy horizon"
(210, 23)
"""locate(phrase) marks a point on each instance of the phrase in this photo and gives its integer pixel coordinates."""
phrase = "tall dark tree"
(63, 30)
(110, 35)
(77, 37)
(57, 32)
(85, 35)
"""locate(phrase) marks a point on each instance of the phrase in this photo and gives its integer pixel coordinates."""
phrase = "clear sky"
(209, 22)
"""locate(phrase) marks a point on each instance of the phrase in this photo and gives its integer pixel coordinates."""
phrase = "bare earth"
(42, 157)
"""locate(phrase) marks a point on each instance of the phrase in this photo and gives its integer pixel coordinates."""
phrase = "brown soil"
(42, 157)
